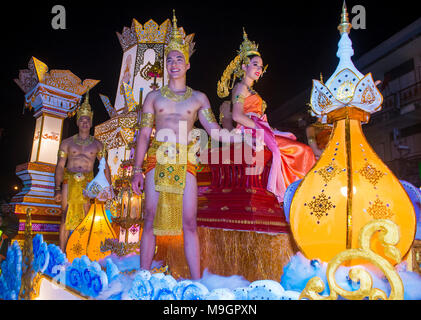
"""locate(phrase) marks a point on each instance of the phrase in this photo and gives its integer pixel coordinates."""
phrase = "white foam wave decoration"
(412, 285)
(300, 270)
(92, 281)
(213, 281)
(240, 293)
(112, 270)
(86, 276)
(194, 291)
(163, 286)
(141, 288)
(41, 253)
(56, 262)
(180, 287)
(11, 275)
(221, 294)
(290, 295)
(265, 290)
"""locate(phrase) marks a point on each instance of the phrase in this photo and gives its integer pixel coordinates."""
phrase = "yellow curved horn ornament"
(389, 235)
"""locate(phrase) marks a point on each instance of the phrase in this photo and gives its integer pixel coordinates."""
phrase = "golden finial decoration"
(85, 109)
(344, 26)
(177, 42)
(389, 236)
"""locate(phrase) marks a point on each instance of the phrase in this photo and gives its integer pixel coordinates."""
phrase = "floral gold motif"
(77, 249)
(328, 172)
(323, 101)
(368, 95)
(379, 210)
(320, 206)
(371, 173)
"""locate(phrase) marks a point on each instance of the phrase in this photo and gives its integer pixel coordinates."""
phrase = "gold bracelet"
(311, 140)
(208, 114)
(147, 120)
(57, 188)
(102, 153)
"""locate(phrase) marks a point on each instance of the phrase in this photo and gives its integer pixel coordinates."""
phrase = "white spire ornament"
(99, 183)
(347, 86)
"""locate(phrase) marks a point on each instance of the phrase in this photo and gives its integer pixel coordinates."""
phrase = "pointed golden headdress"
(177, 43)
(248, 48)
(85, 109)
(234, 70)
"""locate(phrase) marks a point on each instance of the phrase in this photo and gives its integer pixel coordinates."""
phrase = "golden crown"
(177, 43)
(248, 47)
(234, 70)
(85, 109)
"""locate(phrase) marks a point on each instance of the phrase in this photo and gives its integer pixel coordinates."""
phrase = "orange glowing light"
(87, 237)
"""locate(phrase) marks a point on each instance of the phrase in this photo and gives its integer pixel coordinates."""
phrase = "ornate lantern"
(349, 186)
(127, 207)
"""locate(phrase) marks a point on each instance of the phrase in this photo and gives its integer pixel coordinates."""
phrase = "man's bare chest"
(186, 109)
(83, 151)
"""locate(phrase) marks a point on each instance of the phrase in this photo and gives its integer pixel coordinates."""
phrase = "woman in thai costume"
(291, 160)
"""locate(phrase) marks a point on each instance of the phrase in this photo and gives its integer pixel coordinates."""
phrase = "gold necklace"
(251, 90)
(85, 142)
(169, 94)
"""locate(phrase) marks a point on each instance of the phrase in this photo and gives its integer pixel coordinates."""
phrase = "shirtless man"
(170, 106)
(74, 170)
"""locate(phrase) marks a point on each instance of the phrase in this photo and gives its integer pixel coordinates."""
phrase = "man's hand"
(137, 183)
(57, 196)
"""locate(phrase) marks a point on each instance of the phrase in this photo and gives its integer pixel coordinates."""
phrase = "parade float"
(346, 230)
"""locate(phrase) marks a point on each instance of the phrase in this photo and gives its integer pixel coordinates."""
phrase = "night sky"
(298, 39)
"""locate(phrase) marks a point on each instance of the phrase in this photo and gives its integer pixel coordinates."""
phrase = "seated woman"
(291, 160)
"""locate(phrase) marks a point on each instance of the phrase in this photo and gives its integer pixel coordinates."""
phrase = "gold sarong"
(76, 182)
(171, 163)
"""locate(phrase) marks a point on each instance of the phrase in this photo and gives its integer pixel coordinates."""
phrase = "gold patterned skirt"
(76, 181)
(171, 162)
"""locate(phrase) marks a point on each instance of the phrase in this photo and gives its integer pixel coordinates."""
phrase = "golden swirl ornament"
(389, 237)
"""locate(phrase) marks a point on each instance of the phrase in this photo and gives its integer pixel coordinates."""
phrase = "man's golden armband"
(208, 114)
(102, 153)
(147, 120)
(61, 154)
